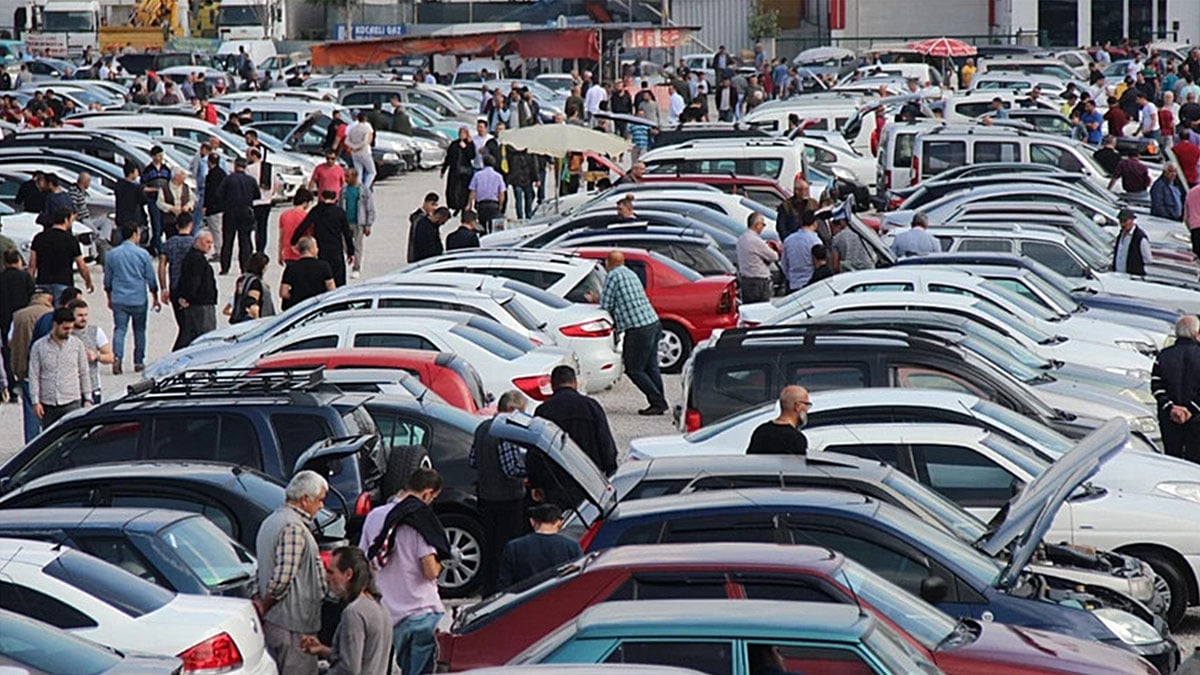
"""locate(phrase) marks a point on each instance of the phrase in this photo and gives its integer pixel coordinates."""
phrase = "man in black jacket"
(581, 417)
(1175, 383)
(425, 238)
(213, 210)
(331, 229)
(467, 234)
(237, 194)
(1131, 251)
(500, 487)
(197, 292)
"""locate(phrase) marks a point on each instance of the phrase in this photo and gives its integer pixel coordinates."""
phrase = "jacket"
(492, 484)
(1175, 379)
(1135, 264)
(197, 284)
(424, 240)
(1165, 200)
(22, 336)
(585, 422)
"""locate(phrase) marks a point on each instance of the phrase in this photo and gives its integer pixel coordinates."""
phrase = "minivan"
(776, 158)
(937, 150)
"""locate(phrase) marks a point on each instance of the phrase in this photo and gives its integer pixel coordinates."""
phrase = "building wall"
(1187, 13)
(723, 22)
(899, 19)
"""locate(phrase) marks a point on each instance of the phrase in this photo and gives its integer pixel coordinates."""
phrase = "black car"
(272, 422)
(236, 499)
(308, 137)
(92, 142)
(180, 551)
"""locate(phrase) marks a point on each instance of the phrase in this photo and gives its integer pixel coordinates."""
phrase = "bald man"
(782, 435)
(634, 318)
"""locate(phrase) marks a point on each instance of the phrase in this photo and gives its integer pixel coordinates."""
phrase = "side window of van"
(903, 152)
(991, 151)
(766, 167)
(1040, 153)
(943, 155)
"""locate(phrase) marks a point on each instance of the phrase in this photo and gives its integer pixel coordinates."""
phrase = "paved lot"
(395, 199)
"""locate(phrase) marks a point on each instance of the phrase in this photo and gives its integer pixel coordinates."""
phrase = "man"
(56, 198)
(1116, 118)
(335, 242)
(16, 288)
(128, 273)
(1148, 124)
(782, 435)
(848, 251)
(307, 277)
(428, 206)
(1133, 174)
(236, 195)
(916, 240)
(1107, 156)
(480, 140)
(466, 236)
(95, 343)
(1132, 250)
(1166, 200)
(176, 203)
(400, 122)
(31, 194)
(1187, 154)
(581, 417)
(676, 105)
(258, 169)
(58, 371)
(406, 543)
(213, 209)
(291, 580)
(196, 292)
(968, 73)
(54, 251)
(500, 488)
(425, 237)
(77, 192)
(791, 212)
(487, 194)
(543, 549)
(328, 176)
(797, 252)
(1093, 122)
(199, 169)
(155, 176)
(593, 98)
(360, 139)
(170, 263)
(20, 340)
(1191, 216)
(625, 299)
(1175, 383)
(754, 260)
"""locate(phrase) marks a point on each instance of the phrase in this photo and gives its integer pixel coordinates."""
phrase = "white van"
(776, 158)
(822, 114)
(939, 149)
(894, 161)
(471, 71)
(925, 74)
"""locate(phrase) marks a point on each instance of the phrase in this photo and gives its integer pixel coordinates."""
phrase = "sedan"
(32, 648)
(102, 602)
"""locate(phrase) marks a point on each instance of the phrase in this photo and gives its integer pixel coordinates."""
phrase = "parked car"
(34, 647)
(568, 277)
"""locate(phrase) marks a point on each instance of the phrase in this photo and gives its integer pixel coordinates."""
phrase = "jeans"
(488, 211)
(56, 291)
(212, 223)
(364, 164)
(32, 425)
(413, 640)
(754, 289)
(198, 212)
(121, 316)
(640, 356)
(523, 195)
(156, 226)
(357, 231)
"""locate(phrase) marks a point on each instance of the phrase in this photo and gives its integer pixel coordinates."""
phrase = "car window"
(882, 287)
(415, 303)
(746, 528)
(902, 153)
(920, 377)
(639, 268)
(1053, 155)
(746, 383)
(792, 590)
(216, 438)
(943, 155)
(896, 567)
(538, 278)
(764, 658)
(989, 151)
(107, 583)
(1053, 256)
(766, 167)
(295, 434)
(487, 342)
(209, 553)
(714, 658)
(394, 341)
(888, 453)
(319, 342)
(50, 651)
(396, 431)
(37, 605)
(964, 476)
(766, 197)
(84, 445)
(985, 245)
(332, 308)
(589, 286)
(120, 552)
(1016, 286)
(823, 378)
(672, 587)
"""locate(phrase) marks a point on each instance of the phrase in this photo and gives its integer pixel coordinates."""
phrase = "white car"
(567, 276)
(104, 603)
(582, 327)
(21, 228)
(505, 359)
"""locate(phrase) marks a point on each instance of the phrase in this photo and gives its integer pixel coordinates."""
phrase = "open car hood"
(556, 464)
(1028, 515)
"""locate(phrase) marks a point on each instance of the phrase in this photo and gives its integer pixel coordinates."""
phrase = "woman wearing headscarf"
(458, 169)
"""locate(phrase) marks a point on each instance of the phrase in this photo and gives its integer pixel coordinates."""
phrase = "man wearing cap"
(1132, 250)
(155, 176)
(237, 194)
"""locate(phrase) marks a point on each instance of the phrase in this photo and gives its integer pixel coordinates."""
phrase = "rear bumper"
(600, 364)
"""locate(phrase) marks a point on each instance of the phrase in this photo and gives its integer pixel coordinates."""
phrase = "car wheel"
(1176, 583)
(402, 461)
(460, 574)
(673, 347)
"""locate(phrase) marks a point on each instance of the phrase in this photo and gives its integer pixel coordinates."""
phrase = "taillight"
(362, 505)
(218, 654)
(597, 328)
(916, 171)
(326, 558)
(534, 386)
(887, 179)
(692, 420)
(585, 541)
(725, 304)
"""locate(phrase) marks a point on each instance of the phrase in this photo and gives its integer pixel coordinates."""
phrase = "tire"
(402, 461)
(674, 347)
(1176, 581)
(460, 575)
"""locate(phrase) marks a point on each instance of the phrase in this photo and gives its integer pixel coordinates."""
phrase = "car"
(774, 158)
(236, 499)
(178, 550)
(500, 627)
(278, 423)
(693, 250)
(568, 277)
(93, 599)
(910, 553)
(730, 636)
(689, 306)
(449, 376)
(737, 207)
(35, 647)
(765, 191)
(92, 142)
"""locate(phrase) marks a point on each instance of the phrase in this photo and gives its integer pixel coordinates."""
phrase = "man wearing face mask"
(782, 435)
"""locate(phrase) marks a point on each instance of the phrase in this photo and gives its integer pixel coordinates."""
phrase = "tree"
(763, 22)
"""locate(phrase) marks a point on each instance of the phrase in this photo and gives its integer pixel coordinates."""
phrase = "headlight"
(293, 171)
(1139, 346)
(1181, 489)
(1127, 627)
(1181, 237)
(1141, 589)
(391, 157)
(1138, 395)
(1139, 374)
(1145, 424)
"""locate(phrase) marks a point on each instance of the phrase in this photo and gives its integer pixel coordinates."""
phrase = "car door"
(800, 657)
(965, 476)
(706, 655)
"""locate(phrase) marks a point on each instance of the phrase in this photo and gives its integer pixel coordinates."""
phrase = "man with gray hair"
(1175, 383)
(916, 240)
(291, 577)
(500, 488)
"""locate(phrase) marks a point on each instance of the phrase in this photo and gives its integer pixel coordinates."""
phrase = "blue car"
(731, 637)
(944, 570)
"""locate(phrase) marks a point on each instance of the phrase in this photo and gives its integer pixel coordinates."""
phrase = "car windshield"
(1020, 303)
(517, 310)
(1000, 357)
(47, 650)
(536, 294)
(495, 606)
(974, 564)
(927, 624)
(487, 342)
(964, 525)
(239, 15)
(1050, 442)
(1017, 452)
(1057, 295)
(709, 431)
(215, 559)
(678, 267)
(1002, 318)
(897, 654)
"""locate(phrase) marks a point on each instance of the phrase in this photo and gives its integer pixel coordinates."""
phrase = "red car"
(690, 306)
(494, 631)
(448, 375)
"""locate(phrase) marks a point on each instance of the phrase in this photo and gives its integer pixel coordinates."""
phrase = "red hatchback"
(494, 631)
(689, 305)
(448, 375)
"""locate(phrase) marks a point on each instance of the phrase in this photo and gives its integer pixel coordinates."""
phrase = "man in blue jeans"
(128, 274)
(625, 299)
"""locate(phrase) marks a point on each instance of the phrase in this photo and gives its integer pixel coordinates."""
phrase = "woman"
(362, 644)
(251, 295)
(458, 169)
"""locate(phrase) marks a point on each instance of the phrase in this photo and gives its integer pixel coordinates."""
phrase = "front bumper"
(1163, 655)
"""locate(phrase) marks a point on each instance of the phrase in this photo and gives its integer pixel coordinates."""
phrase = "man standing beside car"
(500, 488)
(754, 260)
(197, 292)
(1132, 248)
(782, 435)
(581, 417)
(1175, 383)
(634, 317)
(59, 380)
(291, 579)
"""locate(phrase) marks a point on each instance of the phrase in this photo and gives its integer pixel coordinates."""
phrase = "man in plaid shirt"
(634, 317)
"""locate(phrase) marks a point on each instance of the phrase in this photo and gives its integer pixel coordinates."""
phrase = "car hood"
(192, 357)
(1088, 405)
(572, 476)
(1028, 516)
(1001, 646)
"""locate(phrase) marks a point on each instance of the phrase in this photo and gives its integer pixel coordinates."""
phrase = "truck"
(60, 27)
(252, 20)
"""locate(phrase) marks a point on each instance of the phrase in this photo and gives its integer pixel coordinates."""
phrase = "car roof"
(133, 519)
(215, 473)
(412, 317)
(743, 499)
(28, 551)
(724, 618)
(720, 554)
(372, 356)
(909, 432)
(763, 465)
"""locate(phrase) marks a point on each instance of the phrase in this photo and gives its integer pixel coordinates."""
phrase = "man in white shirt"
(360, 138)
(596, 94)
(677, 106)
(1147, 117)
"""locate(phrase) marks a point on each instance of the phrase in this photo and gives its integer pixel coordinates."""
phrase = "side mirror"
(934, 590)
(1100, 220)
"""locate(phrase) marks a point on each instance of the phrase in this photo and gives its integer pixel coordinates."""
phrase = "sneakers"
(652, 411)
(116, 367)
(139, 367)
(354, 274)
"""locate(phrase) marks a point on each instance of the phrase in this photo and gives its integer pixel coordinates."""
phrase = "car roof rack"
(226, 382)
(736, 337)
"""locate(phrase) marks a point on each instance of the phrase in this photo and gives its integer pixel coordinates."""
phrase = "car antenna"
(61, 542)
(853, 593)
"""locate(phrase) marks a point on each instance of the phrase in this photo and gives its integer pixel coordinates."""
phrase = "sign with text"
(52, 44)
(370, 31)
(656, 38)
